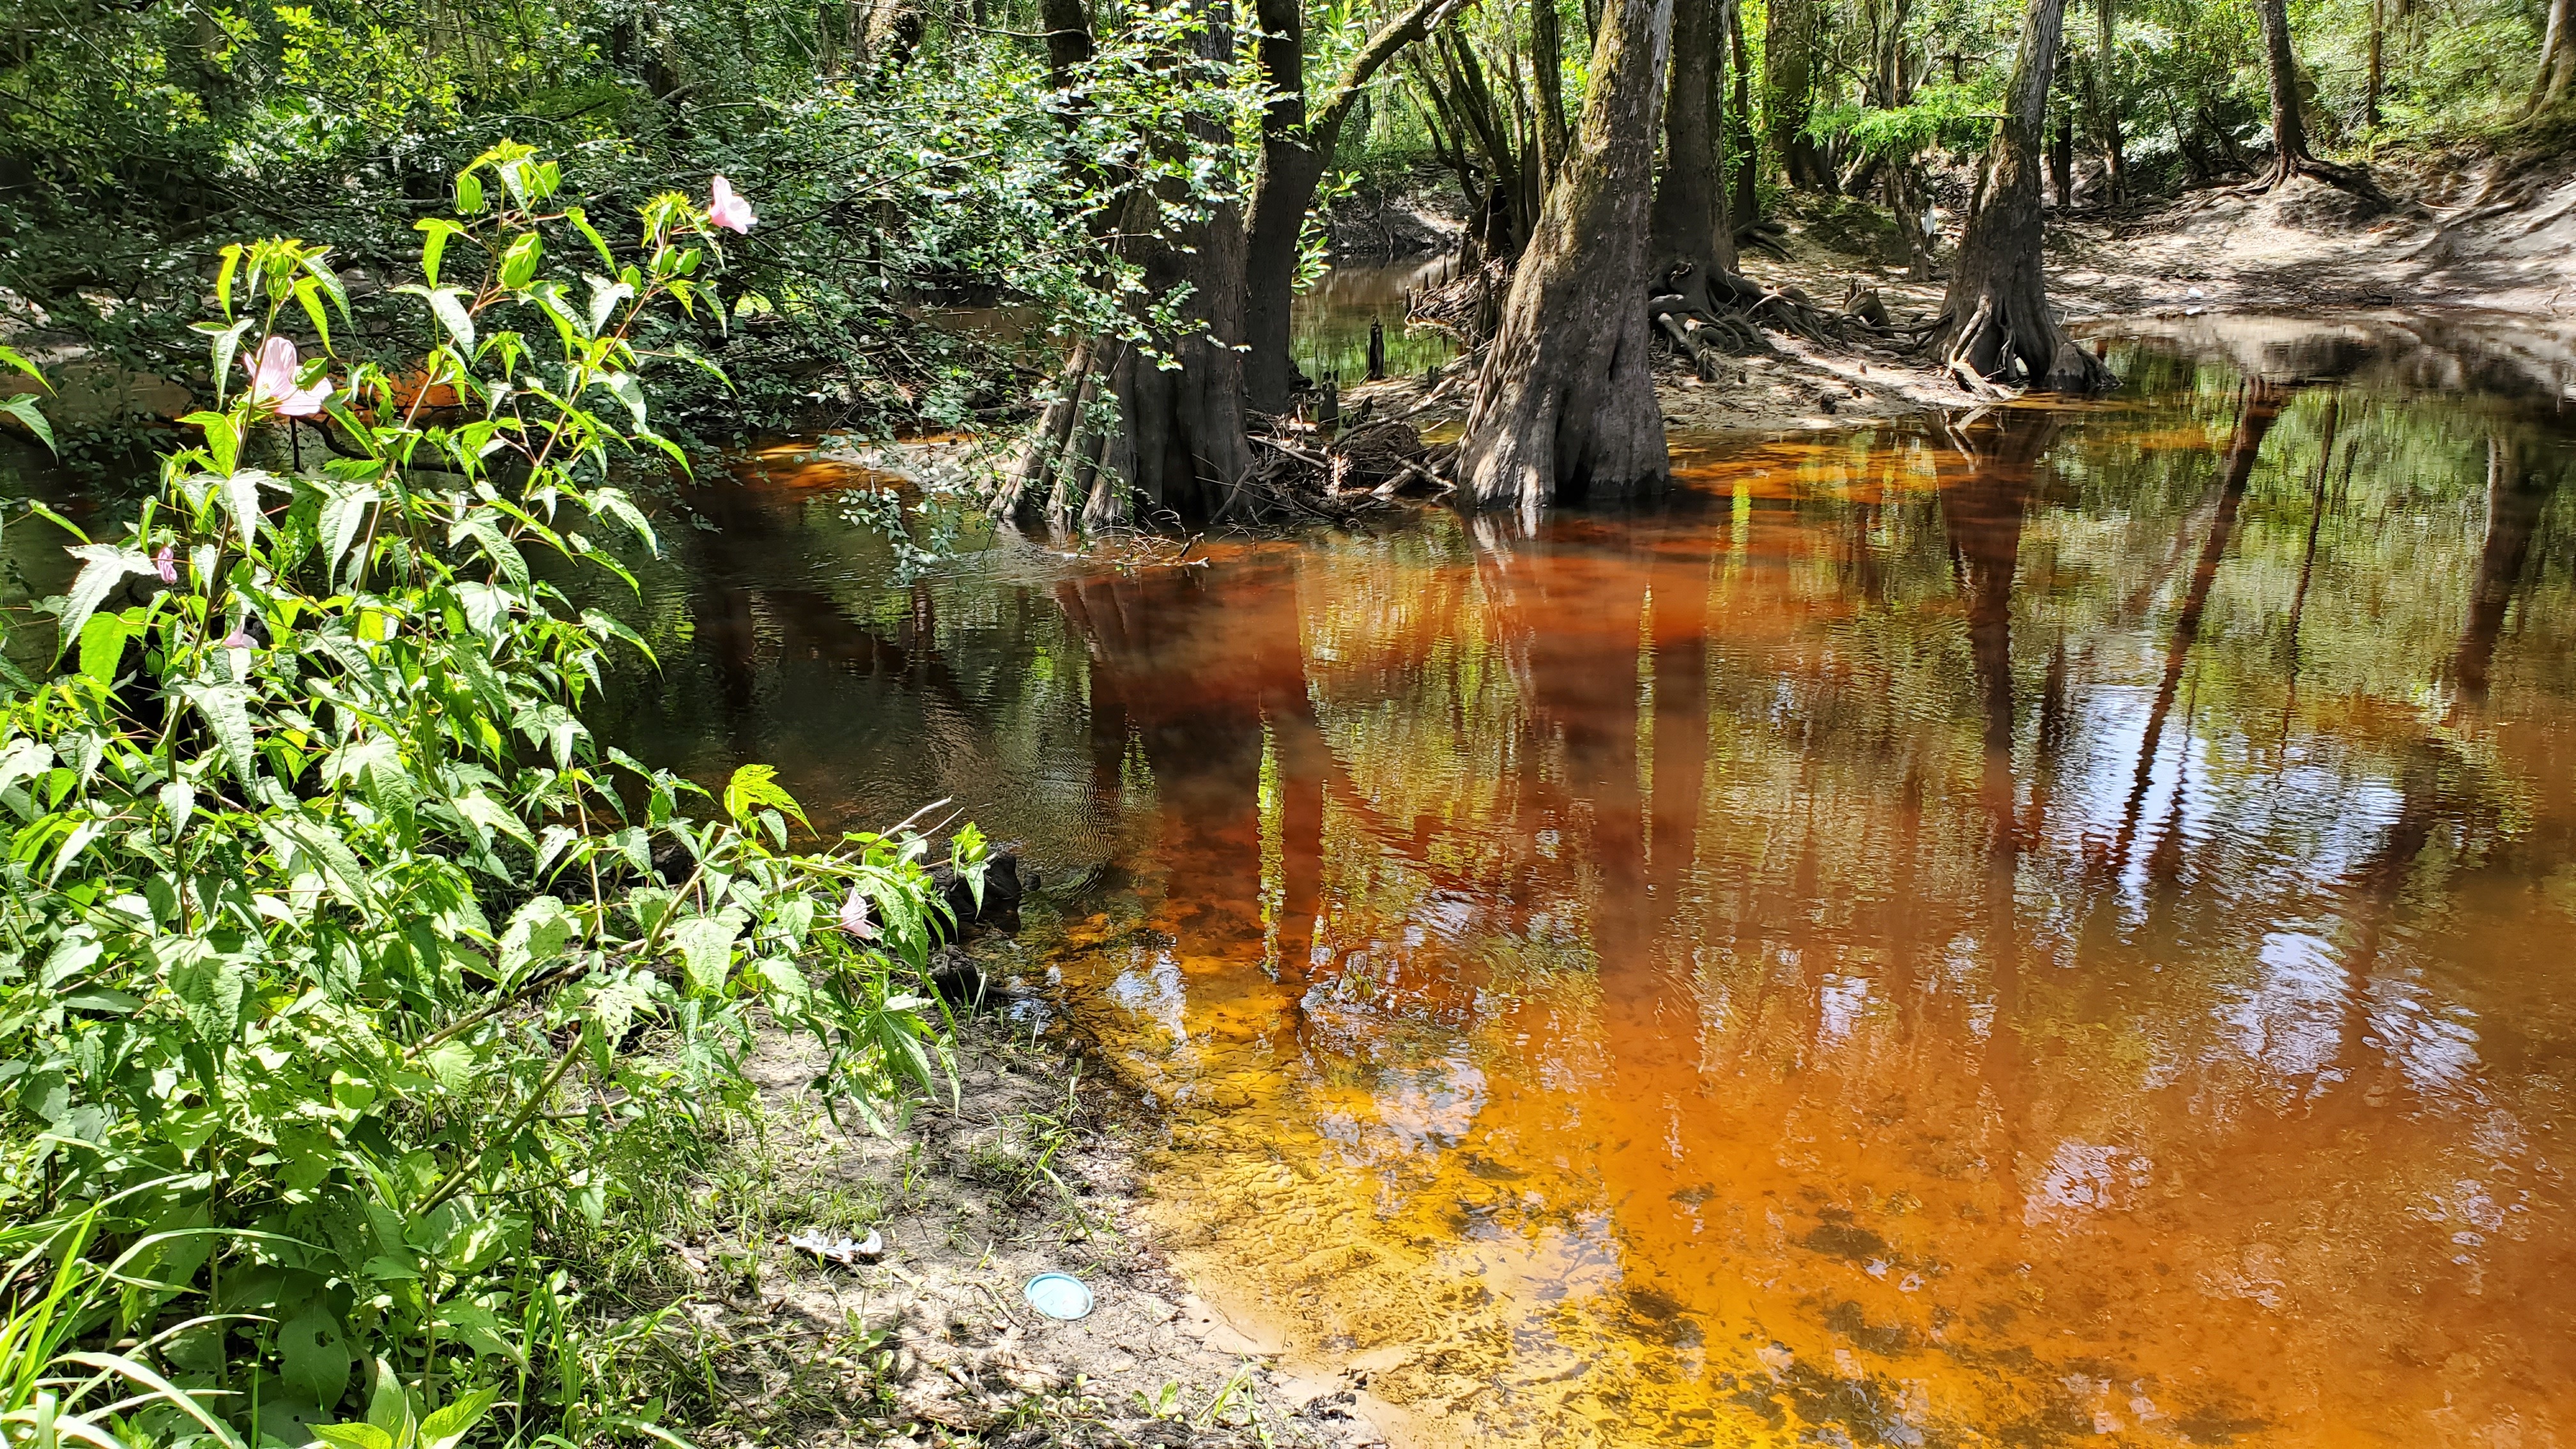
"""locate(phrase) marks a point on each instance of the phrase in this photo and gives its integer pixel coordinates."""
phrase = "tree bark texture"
(2281, 70)
(1688, 221)
(2375, 66)
(1566, 405)
(1999, 326)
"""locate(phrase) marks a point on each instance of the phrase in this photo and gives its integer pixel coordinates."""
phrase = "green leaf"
(23, 408)
(341, 518)
(537, 933)
(353, 1436)
(581, 223)
(705, 944)
(210, 986)
(604, 297)
(448, 1427)
(179, 800)
(448, 305)
(754, 786)
(433, 245)
(223, 342)
(227, 711)
(469, 193)
(241, 499)
(11, 356)
(102, 643)
(223, 441)
(102, 566)
(519, 260)
(313, 1354)
(232, 255)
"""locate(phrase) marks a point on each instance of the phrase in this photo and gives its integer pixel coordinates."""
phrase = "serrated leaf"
(209, 986)
(754, 786)
(179, 800)
(241, 499)
(342, 516)
(226, 708)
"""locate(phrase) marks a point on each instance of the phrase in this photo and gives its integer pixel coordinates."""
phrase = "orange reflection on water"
(1742, 973)
(2050, 930)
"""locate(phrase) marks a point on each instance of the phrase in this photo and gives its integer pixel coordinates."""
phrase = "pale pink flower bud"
(728, 208)
(166, 564)
(238, 639)
(854, 916)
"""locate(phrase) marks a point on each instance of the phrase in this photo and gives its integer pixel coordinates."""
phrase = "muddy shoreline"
(918, 1333)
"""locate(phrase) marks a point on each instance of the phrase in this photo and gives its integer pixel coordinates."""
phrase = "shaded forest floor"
(2472, 236)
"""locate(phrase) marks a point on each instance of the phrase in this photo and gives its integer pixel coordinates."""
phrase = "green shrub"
(341, 972)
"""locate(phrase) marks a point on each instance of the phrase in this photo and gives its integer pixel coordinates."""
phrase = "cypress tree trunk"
(1291, 167)
(1566, 406)
(1688, 221)
(2290, 156)
(1998, 326)
(1547, 62)
(2106, 113)
(1748, 147)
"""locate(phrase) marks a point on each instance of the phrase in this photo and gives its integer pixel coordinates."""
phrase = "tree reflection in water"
(2020, 931)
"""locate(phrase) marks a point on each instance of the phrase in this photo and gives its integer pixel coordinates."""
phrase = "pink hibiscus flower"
(728, 208)
(272, 381)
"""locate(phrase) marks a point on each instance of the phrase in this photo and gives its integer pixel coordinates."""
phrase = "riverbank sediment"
(909, 1327)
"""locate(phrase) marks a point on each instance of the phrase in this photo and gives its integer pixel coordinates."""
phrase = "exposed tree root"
(2289, 165)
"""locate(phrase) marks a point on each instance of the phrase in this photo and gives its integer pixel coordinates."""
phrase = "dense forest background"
(906, 156)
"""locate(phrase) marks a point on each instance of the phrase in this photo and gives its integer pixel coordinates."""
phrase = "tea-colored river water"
(2048, 928)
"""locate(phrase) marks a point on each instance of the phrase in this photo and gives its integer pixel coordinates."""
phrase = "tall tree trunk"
(1747, 148)
(1688, 222)
(1547, 61)
(1788, 49)
(2106, 103)
(2557, 57)
(1292, 164)
(2290, 155)
(1294, 157)
(2061, 161)
(1998, 325)
(1566, 406)
(1068, 36)
(1180, 447)
(2375, 68)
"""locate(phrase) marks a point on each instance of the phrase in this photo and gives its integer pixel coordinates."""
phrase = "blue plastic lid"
(1058, 1295)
